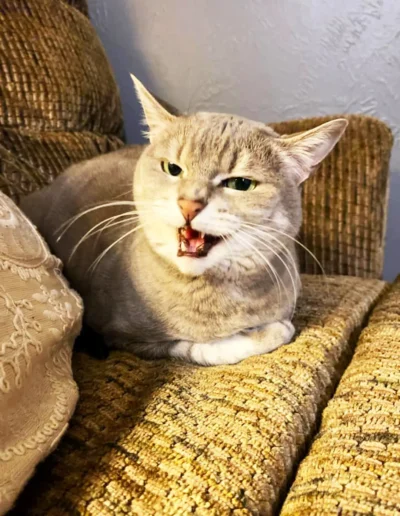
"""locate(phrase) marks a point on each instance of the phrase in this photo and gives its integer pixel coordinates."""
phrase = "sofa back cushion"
(59, 102)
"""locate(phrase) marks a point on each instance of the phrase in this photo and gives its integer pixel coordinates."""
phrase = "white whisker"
(287, 251)
(279, 244)
(101, 256)
(67, 224)
(232, 262)
(118, 223)
(96, 228)
(268, 228)
(127, 192)
(268, 264)
(276, 254)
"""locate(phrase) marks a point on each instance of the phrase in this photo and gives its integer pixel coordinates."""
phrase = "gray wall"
(264, 59)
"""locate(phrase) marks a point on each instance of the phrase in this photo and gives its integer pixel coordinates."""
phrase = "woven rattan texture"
(159, 437)
(59, 102)
(345, 202)
(354, 465)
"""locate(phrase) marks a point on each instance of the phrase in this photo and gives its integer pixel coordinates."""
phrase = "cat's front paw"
(221, 352)
(272, 336)
(236, 348)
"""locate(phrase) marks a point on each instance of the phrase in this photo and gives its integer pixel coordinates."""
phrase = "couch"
(312, 428)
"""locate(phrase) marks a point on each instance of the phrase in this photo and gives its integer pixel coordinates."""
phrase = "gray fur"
(141, 296)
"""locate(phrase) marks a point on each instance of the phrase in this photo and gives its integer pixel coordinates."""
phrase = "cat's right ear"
(156, 116)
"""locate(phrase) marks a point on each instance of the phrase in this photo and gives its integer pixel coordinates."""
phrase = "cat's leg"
(236, 348)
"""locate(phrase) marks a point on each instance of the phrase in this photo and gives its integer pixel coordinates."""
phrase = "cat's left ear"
(309, 148)
(156, 116)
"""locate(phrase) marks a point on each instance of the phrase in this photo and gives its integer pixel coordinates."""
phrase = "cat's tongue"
(194, 243)
(191, 242)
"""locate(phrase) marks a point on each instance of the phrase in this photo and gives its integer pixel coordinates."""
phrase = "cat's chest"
(201, 310)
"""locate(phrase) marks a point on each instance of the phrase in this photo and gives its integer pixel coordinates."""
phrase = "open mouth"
(194, 243)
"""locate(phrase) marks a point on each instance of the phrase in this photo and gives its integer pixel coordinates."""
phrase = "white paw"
(273, 336)
(236, 348)
(221, 352)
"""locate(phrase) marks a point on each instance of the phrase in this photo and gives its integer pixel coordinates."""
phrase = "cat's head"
(215, 189)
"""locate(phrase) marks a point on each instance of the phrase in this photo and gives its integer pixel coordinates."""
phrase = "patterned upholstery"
(59, 103)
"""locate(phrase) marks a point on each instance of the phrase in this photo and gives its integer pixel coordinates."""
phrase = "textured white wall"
(264, 59)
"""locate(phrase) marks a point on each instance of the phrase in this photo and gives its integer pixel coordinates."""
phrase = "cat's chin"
(191, 266)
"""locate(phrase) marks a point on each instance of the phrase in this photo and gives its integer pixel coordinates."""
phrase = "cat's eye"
(240, 183)
(171, 168)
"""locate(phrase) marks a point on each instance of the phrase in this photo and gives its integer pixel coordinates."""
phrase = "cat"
(185, 247)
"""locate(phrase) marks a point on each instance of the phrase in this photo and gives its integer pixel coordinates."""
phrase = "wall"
(267, 60)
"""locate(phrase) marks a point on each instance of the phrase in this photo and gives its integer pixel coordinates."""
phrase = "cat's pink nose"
(189, 208)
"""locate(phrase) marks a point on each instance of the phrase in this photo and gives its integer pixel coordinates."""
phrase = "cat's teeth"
(202, 235)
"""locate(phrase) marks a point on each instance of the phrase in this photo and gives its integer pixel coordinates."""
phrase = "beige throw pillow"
(40, 316)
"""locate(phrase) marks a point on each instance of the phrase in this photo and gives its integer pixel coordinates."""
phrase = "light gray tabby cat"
(197, 261)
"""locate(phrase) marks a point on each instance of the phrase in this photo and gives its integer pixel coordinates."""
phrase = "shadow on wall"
(118, 38)
(392, 250)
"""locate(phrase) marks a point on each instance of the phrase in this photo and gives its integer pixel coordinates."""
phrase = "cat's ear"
(309, 148)
(156, 116)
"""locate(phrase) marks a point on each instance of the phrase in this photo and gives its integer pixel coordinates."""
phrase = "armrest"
(354, 463)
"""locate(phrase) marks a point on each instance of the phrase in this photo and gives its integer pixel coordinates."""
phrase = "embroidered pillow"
(39, 320)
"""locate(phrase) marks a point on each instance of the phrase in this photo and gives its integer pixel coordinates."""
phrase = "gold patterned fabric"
(354, 464)
(39, 319)
(345, 201)
(59, 103)
(158, 437)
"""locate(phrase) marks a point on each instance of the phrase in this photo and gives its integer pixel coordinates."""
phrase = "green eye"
(171, 168)
(240, 183)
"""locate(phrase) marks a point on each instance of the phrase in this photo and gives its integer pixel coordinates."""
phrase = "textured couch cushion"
(39, 319)
(59, 103)
(354, 464)
(167, 438)
(345, 201)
